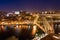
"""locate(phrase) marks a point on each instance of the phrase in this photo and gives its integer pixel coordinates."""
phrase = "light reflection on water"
(18, 29)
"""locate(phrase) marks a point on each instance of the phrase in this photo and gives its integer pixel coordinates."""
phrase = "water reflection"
(20, 31)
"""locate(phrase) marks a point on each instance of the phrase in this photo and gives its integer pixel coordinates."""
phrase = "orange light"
(34, 30)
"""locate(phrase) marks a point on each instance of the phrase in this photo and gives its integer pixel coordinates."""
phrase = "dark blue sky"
(29, 5)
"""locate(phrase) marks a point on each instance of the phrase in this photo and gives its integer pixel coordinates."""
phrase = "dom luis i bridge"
(28, 25)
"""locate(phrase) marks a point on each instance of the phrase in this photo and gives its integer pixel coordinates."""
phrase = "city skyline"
(29, 5)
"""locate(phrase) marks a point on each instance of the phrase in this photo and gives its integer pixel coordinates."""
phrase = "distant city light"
(42, 12)
(10, 13)
(49, 16)
(45, 11)
(17, 12)
(7, 15)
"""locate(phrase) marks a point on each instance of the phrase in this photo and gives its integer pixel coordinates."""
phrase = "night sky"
(29, 5)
